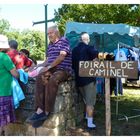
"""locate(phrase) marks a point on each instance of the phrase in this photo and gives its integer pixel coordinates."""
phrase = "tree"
(98, 13)
(34, 41)
(4, 26)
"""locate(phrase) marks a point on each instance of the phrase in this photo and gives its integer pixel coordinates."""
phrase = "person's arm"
(9, 65)
(14, 73)
(59, 59)
(56, 62)
(43, 64)
(95, 53)
(64, 50)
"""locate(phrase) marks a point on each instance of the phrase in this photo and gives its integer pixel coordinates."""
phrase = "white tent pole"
(117, 89)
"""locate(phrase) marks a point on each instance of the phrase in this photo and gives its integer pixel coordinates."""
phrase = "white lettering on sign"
(81, 63)
(86, 65)
(107, 72)
(108, 68)
(111, 66)
(130, 65)
(127, 65)
(101, 65)
(96, 64)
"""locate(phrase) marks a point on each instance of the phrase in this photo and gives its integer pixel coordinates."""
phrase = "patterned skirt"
(7, 114)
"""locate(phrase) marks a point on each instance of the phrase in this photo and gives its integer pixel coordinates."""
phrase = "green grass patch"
(129, 101)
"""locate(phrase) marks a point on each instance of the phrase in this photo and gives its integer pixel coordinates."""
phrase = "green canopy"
(105, 37)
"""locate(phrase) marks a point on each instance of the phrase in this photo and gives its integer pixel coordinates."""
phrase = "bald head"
(85, 38)
(55, 28)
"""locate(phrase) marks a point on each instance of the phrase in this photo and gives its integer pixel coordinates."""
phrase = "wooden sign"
(107, 69)
(121, 69)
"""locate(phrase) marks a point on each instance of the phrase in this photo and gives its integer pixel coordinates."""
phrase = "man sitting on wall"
(57, 68)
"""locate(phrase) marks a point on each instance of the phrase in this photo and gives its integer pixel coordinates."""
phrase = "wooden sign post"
(107, 107)
(107, 69)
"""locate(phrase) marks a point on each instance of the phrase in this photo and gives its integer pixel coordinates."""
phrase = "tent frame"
(117, 84)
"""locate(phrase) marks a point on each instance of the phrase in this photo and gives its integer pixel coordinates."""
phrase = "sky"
(22, 13)
(22, 16)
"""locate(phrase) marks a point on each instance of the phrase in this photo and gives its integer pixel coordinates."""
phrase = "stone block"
(64, 116)
(19, 129)
(45, 131)
(70, 123)
(28, 103)
(70, 113)
(59, 104)
(69, 101)
(30, 87)
(22, 115)
(64, 87)
(55, 120)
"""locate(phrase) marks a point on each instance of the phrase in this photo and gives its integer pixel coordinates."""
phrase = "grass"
(127, 102)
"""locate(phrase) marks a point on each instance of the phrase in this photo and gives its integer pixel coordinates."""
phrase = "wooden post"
(107, 106)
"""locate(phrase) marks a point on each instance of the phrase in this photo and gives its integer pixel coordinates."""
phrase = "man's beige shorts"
(89, 93)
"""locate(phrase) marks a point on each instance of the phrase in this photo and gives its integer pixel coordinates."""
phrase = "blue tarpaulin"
(104, 36)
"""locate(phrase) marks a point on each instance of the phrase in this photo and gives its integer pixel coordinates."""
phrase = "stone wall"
(68, 112)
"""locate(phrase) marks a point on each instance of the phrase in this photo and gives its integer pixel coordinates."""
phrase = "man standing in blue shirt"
(86, 85)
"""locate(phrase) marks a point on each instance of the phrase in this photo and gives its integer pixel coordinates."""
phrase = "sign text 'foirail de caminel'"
(122, 69)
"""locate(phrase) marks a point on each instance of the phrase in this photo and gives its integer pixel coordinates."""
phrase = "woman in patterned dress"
(7, 70)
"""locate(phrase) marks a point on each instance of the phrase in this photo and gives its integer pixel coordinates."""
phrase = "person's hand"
(105, 55)
(101, 55)
(45, 69)
(110, 56)
(32, 68)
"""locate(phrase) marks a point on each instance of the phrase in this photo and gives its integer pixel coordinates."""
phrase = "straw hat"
(3, 42)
